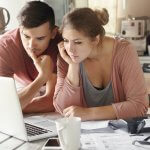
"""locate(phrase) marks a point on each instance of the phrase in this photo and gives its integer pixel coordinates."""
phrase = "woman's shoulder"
(124, 51)
(123, 46)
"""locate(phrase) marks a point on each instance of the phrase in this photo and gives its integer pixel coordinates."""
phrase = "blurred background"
(129, 19)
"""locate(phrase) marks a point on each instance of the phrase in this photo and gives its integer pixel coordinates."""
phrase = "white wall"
(110, 5)
(13, 6)
(138, 7)
(81, 3)
(134, 8)
(120, 9)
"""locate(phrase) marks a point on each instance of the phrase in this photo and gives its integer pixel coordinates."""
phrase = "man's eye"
(27, 37)
(78, 42)
(65, 40)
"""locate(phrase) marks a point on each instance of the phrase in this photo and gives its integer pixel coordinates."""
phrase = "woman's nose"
(71, 47)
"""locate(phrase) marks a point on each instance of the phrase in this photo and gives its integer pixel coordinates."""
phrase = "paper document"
(91, 143)
(108, 141)
(147, 123)
(88, 125)
(95, 127)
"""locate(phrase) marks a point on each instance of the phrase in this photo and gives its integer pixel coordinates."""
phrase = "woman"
(98, 77)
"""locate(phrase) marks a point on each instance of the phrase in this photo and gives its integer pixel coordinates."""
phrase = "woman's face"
(77, 45)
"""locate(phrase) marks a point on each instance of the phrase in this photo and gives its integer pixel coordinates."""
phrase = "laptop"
(11, 117)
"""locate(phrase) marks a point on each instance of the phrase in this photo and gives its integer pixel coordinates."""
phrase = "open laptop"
(11, 117)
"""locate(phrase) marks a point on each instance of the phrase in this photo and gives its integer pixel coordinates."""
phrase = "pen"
(136, 135)
(112, 126)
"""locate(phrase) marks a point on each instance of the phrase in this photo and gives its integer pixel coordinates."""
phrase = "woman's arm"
(73, 74)
(66, 94)
(92, 113)
(129, 84)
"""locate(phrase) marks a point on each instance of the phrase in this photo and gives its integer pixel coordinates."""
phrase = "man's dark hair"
(35, 13)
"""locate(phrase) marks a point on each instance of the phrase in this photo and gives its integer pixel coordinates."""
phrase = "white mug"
(69, 132)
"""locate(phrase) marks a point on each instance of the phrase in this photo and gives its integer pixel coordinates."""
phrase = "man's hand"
(44, 66)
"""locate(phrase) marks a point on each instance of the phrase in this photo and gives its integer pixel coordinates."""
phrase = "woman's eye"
(41, 38)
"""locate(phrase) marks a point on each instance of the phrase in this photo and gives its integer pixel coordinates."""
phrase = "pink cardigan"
(130, 94)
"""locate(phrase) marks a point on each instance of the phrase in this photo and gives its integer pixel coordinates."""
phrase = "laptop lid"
(11, 117)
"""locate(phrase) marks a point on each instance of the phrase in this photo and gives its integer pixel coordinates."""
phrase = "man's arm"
(42, 64)
(27, 93)
(43, 103)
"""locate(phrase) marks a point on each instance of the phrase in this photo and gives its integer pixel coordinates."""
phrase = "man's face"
(36, 39)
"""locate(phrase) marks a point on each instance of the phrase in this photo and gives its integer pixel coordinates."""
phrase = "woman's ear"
(97, 39)
(54, 32)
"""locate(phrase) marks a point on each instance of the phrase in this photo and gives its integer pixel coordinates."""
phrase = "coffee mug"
(69, 132)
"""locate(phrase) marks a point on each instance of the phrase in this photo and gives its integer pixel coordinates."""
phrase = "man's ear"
(54, 32)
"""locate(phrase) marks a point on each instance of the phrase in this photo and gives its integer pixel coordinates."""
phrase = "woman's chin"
(76, 61)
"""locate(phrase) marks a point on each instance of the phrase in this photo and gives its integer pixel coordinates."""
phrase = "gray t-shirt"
(95, 97)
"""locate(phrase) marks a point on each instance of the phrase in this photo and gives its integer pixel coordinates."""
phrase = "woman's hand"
(76, 111)
(64, 54)
(73, 70)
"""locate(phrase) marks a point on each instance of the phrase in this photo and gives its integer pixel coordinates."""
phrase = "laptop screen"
(11, 117)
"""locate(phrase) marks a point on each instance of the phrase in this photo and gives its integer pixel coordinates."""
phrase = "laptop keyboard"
(34, 130)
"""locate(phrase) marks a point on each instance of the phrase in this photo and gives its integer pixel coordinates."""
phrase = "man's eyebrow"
(41, 36)
(25, 34)
(36, 37)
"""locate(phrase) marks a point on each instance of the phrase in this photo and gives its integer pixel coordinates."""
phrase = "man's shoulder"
(58, 37)
(9, 37)
(10, 42)
(11, 33)
(54, 42)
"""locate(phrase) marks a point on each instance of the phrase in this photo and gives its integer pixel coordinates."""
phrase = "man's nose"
(31, 44)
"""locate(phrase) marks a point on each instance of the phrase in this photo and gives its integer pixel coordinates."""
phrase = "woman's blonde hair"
(86, 20)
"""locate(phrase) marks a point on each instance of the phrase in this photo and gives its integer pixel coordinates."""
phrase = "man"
(29, 55)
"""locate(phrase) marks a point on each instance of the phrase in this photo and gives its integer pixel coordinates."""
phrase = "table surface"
(112, 142)
(11, 143)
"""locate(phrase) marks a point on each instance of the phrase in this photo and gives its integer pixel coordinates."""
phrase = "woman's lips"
(73, 56)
